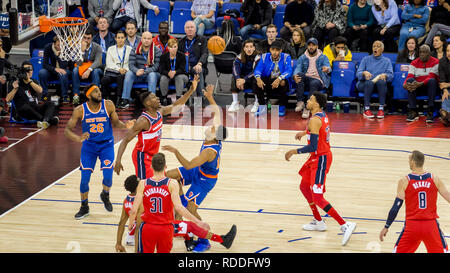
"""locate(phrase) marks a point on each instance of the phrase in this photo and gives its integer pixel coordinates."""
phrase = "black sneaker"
(54, 121)
(229, 237)
(124, 104)
(105, 199)
(412, 116)
(83, 212)
(190, 244)
(430, 117)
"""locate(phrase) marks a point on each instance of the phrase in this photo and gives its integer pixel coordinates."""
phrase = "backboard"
(24, 17)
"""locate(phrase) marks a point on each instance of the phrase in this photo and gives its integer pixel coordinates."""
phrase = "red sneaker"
(368, 114)
(380, 114)
(3, 139)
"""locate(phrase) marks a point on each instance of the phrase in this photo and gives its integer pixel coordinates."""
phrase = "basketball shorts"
(90, 151)
(416, 231)
(314, 172)
(157, 237)
(142, 164)
(200, 185)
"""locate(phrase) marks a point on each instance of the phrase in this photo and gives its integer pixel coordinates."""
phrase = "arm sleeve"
(393, 212)
(311, 147)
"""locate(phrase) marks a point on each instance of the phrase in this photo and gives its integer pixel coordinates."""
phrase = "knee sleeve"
(85, 177)
(107, 177)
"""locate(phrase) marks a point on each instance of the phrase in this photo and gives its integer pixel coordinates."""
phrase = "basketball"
(216, 45)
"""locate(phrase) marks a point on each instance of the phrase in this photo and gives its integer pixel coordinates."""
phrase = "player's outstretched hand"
(130, 124)
(289, 154)
(299, 136)
(120, 248)
(84, 136)
(118, 167)
(383, 233)
(169, 148)
(208, 92)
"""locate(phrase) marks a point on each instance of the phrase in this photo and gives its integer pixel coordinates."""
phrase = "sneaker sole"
(320, 230)
(81, 217)
(368, 116)
(345, 240)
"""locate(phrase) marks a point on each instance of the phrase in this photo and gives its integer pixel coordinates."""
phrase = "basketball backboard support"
(24, 17)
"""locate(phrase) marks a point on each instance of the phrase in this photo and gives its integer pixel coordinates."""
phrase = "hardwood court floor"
(257, 190)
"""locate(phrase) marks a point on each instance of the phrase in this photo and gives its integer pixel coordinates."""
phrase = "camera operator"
(25, 94)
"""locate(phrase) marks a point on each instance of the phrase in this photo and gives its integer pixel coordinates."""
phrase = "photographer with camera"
(24, 96)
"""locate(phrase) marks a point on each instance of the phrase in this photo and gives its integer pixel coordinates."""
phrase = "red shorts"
(314, 172)
(142, 164)
(417, 231)
(155, 236)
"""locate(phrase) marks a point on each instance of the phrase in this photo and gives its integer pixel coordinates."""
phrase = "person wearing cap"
(271, 74)
(312, 73)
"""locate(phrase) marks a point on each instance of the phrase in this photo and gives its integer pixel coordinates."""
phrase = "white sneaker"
(315, 225)
(347, 229)
(255, 107)
(300, 106)
(234, 107)
(130, 240)
(305, 113)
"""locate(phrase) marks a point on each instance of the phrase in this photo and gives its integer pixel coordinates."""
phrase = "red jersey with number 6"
(421, 197)
(323, 145)
(157, 201)
(149, 141)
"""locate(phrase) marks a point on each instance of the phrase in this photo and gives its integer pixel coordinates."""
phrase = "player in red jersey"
(185, 229)
(419, 191)
(148, 129)
(315, 169)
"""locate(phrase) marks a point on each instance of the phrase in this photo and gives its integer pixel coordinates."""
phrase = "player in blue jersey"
(97, 117)
(201, 172)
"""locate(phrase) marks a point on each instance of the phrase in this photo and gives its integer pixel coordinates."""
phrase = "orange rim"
(46, 24)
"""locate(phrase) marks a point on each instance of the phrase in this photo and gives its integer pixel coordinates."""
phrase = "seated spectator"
(99, 9)
(163, 37)
(25, 94)
(439, 45)
(298, 14)
(410, 52)
(129, 10)
(132, 38)
(104, 37)
(232, 42)
(54, 68)
(388, 23)
(374, 72)
(144, 67)
(173, 69)
(422, 79)
(439, 20)
(257, 16)
(360, 21)
(203, 15)
(338, 51)
(89, 68)
(271, 74)
(243, 76)
(271, 34)
(312, 73)
(298, 43)
(329, 21)
(415, 16)
(117, 65)
(444, 85)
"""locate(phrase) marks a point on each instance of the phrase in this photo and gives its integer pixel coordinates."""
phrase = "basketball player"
(148, 128)
(97, 118)
(157, 197)
(419, 191)
(181, 228)
(201, 172)
(315, 169)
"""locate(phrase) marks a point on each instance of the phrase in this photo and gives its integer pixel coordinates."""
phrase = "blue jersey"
(97, 124)
(211, 169)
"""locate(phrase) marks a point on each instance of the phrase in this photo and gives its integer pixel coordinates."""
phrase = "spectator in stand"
(329, 21)
(271, 33)
(338, 51)
(104, 37)
(422, 79)
(100, 9)
(298, 14)
(243, 76)
(89, 67)
(272, 73)
(298, 43)
(132, 38)
(439, 45)
(360, 21)
(388, 23)
(144, 67)
(439, 20)
(415, 16)
(173, 69)
(232, 42)
(163, 37)
(312, 73)
(117, 65)
(54, 68)
(25, 94)
(129, 10)
(374, 72)
(203, 15)
(410, 51)
(257, 16)
(444, 85)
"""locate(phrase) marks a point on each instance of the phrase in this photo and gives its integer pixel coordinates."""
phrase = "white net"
(70, 32)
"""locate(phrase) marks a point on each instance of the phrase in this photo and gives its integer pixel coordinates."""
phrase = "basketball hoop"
(70, 31)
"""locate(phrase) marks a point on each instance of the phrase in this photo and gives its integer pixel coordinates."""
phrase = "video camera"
(17, 72)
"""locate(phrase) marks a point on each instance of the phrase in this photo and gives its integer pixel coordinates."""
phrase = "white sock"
(235, 97)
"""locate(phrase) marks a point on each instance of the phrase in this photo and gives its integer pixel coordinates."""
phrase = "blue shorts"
(90, 151)
(200, 185)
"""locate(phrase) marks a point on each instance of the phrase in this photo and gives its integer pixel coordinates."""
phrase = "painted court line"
(22, 139)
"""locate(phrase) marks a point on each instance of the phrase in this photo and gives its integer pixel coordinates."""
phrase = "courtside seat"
(343, 79)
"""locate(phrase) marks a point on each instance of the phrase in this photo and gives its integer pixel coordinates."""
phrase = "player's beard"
(96, 100)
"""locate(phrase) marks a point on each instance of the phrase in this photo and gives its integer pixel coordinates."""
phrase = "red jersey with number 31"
(323, 145)
(421, 197)
(157, 201)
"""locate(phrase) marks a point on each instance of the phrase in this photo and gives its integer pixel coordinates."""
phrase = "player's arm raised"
(204, 156)
(401, 187)
(167, 110)
(212, 104)
(68, 131)
(314, 125)
(115, 121)
(441, 188)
